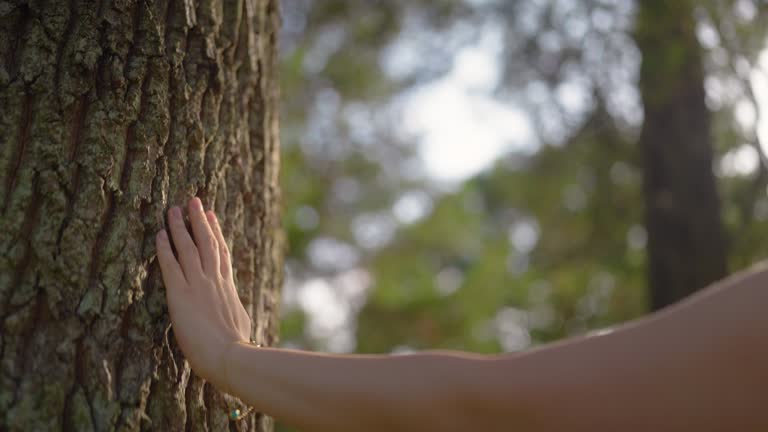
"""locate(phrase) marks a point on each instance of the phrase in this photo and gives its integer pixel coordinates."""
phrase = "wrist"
(229, 366)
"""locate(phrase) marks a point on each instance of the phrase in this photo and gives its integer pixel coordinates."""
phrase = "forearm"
(323, 392)
(700, 365)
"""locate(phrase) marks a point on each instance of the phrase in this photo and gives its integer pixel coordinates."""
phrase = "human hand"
(206, 312)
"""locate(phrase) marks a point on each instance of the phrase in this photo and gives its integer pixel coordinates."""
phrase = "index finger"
(173, 277)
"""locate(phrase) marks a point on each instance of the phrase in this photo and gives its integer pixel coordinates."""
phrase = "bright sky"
(463, 128)
(744, 160)
(760, 86)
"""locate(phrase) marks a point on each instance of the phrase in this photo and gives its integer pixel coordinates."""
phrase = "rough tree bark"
(111, 112)
(686, 241)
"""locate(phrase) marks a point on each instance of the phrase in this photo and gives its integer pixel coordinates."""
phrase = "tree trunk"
(686, 243)
(109, 114)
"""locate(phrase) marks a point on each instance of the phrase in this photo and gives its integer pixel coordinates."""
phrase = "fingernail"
(162, 235)
(197, 204)
(175, 212)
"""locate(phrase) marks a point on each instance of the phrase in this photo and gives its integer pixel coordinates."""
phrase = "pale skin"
(700, 365)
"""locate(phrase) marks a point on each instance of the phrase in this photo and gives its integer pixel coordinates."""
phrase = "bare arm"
(700, 365)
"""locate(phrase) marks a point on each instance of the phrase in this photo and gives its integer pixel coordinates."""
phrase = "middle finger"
(206, 242)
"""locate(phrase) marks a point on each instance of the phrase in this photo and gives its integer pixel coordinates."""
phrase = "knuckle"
(212, 243)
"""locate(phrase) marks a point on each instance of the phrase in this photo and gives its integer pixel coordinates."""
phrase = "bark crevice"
(20, 148)
(69, 30)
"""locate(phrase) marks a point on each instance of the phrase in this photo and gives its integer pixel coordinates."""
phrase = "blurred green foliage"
(546, 234)
(546, 243)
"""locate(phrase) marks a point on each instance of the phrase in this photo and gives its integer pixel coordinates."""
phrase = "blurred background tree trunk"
(112, 112)
(686, 241)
